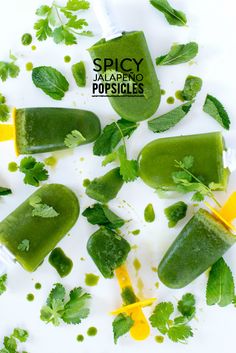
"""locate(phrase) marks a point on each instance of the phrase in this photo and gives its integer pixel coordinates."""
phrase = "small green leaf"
(34, 171)
(180, 333)
(74, 139)
(161, 316)
(20, 334)
(128, 168)
(215, 109)
(186, 305)
(175, 213)
(173, 16)
(79, 73)
(192, 86)
(149, 213)
(24, 245)
(121, 325)
(3, 280)
(101, 215)
(43, 30)
(178, 54)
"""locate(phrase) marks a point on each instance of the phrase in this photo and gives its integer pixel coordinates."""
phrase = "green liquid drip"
(136, 232)
(80, 338)
(33, 47)
(30, 297)
(67, 59)
(163, 92)
(91, 279)
(170, 100)
(159, 339)
(92, 331)
(136, 264)
(50, 161)
(12, 167)
(38, 286)
(29, 66)
(86, 182)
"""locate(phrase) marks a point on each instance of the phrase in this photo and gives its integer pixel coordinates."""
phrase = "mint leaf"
(74, 139)
(178, 54)
(215, 109)
(34, 171)
(170, 119)
(121, 325)
(101, 215)
(220, 285)
(192, 86)
(173, 16)
(3, 280)
(51, 81)
(24, 245)
(112, 135)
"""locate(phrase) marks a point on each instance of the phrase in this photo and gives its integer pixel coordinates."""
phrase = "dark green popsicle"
(41, 234)
(41, 130)
(199, 245)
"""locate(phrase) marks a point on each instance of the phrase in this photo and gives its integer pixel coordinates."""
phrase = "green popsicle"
(130, 48)
(41, 234)
(199, 245)
(157, 159)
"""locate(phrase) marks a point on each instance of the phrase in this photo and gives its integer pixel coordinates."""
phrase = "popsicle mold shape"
(39, 130)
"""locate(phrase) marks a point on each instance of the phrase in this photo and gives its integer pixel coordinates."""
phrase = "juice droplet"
(80, 338)
(91, 279)
(170, 100)
(33, 47)
(163, 92)
(38, 286)
(67, 59)
(159, 339)
(136, 264)
(149, 213)
(86, 182)
(50, 161)
(12, 167)
(29, 66)
(30, 297)
(136, 232)
(92, 331)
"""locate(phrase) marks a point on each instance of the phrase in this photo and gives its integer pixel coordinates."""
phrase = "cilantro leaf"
(10, 344)
(74, 139)
(43, 10)
(180, 333)
(4, 109)
(71, 311)
(173, 16)
(34, 171)
(103, 216)
(175, 213)
(112, 135)
(3, 280)
(62, 34)
(8, 69)
(192, 86)
(215, 109)
(128, 168)
(178, 54)
(5, 191)
(76, 5)
(20, 334)
(76, 308)
(170, 119)
(51, 81)
(43, 30)
(220, 285)
(24, 245)
(186, 305)
(41, 209)
(121, 325)
(161, 316)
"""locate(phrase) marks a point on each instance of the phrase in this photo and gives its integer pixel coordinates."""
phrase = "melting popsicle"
(42, 234)
(39, 130)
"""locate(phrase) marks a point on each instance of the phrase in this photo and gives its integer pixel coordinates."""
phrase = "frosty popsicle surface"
(42, 234)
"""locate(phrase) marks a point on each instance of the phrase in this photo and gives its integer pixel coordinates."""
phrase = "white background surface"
(212, 25)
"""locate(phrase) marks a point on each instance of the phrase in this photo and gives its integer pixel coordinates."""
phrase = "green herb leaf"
(220, 285)
(20, 334)
(149, 213)
(170, 119)
(79, 73)
(62, 34)
(41, 209)
(175, 213)
(8, 69)
(24, 245)
(215, 109)
(34, 171)
(178, 54)
(180, 333)
(161, 316)
(111, 136)
(174, 17)
(76, 5)
(186, 305)
(5, 191)
(192, 86)
(43, 30)
(51, 81)
(4, 109)
(76, 308)
(101, 215)
(3, 280)
(128, 168)
(121, 325)
(74, 139)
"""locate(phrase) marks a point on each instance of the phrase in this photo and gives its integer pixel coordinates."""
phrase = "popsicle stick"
(127, 308)
(140, 330)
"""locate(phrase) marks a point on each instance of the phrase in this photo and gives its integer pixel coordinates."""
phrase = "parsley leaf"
(61, 22)
(24, 245)
(174, 17)
(175, 213)
(178, 329)
(74, 139)
(112, 135)
(121, 325)
(71, 311)
(220, 285)
(51, 81)
(3, 280)
(192, 86)
(215, 109)
(34, 171)
(186, 305)
(101, 215)
(41, 209)
(178, 54)
(170, 119)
